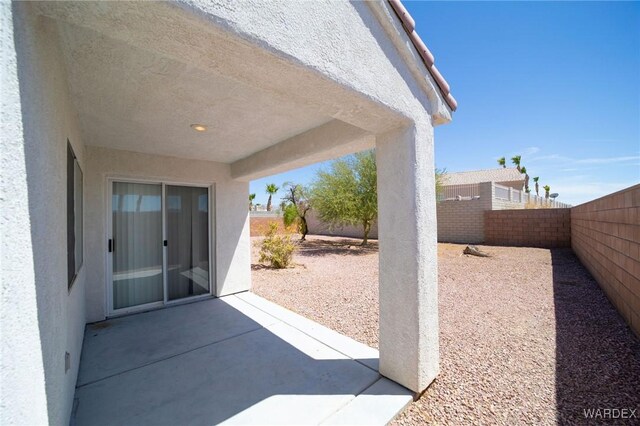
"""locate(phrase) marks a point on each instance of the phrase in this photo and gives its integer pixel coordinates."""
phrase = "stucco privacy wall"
(317, 227)
(41, 319)
(232, 261)
(529, 228)
(605, 235)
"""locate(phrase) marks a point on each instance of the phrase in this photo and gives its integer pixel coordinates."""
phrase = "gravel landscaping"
(526, 335)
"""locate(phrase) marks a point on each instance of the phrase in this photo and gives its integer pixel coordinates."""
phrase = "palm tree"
(547, 188)
(251, 198)
(502, 161)
(523, 170)
(271, 190)
(516, 160)
(535, 179)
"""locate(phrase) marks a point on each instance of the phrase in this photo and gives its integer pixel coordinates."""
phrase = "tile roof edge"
(409, 25)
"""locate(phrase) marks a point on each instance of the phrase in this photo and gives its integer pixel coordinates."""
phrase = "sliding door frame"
(111, 312)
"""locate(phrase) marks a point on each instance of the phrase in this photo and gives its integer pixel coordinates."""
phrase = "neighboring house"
(465, 196)
(509, 176)
(130, 124)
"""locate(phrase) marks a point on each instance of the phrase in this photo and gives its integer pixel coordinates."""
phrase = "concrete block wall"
(605, 235)
(528, 228)
(463, 221)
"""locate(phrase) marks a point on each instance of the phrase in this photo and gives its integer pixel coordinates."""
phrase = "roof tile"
(409, 25)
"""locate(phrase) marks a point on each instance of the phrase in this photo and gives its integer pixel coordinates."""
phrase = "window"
(74, 216)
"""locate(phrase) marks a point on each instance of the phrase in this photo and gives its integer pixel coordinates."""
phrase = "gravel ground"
(526, 336)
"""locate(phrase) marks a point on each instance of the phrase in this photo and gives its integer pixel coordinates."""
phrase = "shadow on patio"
(597, 354)
(238, 359)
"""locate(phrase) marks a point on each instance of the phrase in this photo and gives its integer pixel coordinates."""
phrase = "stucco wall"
(231, 215)
(41, 319)
(317, 227)
(605, 235)
(529, 228)
(360, 33)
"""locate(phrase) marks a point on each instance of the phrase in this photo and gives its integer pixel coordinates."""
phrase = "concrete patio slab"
(228, 361)
(343, 344)
(373, 406)
(119, 344)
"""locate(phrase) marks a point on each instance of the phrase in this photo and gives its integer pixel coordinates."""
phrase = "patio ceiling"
(137, 88)
(136, 99)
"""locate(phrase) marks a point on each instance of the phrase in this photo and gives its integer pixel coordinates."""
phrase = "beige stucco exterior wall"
(230, 216)
(41, 318)
(605, 235)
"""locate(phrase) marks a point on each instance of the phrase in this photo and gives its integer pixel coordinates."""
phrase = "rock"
(475, 251)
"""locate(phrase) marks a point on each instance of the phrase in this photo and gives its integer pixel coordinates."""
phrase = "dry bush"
(276, 249)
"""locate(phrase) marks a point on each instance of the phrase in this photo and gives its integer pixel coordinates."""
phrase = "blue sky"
(558, 83)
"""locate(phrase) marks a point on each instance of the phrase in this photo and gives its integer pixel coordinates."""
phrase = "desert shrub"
(276, 249)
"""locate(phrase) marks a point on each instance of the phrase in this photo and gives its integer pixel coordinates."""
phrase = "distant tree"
(516, 160)
(251, 198)
(347, 193)
(271, 189)
(523, 170)
(296, 205)
(535, 179)
(502, 161)
(546, 188)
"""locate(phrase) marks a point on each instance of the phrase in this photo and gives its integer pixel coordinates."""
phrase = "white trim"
(110, 311)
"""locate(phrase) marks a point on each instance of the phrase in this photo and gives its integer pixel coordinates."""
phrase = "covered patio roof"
(121, 84)
(140, 74)
(239, 360)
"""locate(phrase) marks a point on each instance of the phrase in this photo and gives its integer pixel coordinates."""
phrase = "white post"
(409, 350)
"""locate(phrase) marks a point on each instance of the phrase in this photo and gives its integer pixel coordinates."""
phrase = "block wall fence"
(528, 228)
(462, 221)
(605, 235)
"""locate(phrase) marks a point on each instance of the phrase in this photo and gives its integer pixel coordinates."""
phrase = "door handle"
(166, 243)
(110, 245)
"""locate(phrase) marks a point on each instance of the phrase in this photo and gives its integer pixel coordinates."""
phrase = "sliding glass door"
(187, 210)
(136, 244)
(159, 244)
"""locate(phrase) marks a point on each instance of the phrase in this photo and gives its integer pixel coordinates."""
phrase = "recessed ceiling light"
(199, 127)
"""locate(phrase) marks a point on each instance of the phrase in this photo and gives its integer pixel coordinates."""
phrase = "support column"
(407, 231)
(232, 238)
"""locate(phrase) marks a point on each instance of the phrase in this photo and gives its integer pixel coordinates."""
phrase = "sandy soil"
(526, 335)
